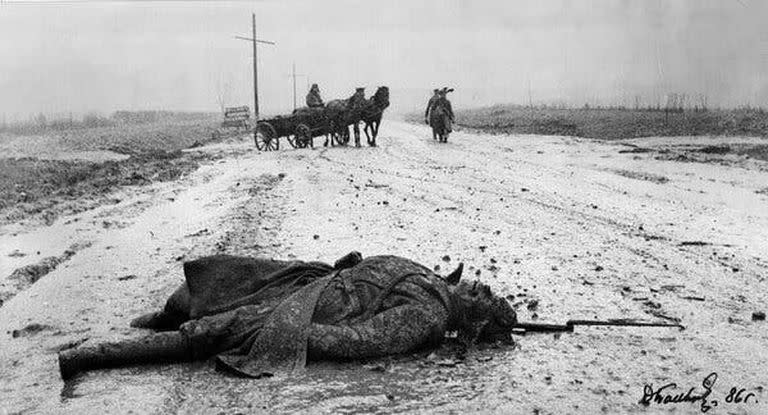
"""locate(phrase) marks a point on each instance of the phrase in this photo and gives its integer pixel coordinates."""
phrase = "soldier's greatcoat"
(263, 316)
(314, 99)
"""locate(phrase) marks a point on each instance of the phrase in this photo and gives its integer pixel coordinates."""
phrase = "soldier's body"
(445, 105)
(260, 316)
(430, 104)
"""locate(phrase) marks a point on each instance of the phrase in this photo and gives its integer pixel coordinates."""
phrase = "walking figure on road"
(441, 116)
(432, 100)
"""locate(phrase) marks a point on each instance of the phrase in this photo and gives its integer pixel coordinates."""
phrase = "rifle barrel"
(542, 327)
(570, 324)
(621, 322)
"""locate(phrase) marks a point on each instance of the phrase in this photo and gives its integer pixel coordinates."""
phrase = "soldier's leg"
(156, 348)
(175, 312)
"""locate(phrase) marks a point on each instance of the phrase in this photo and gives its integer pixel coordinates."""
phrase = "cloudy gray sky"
(85, 56)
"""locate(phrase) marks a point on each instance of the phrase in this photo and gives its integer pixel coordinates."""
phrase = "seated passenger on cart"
(313, 97)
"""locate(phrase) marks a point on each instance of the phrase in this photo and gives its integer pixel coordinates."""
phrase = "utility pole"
(294, 75)
(294, 86)
(255, 40)
(530, 98)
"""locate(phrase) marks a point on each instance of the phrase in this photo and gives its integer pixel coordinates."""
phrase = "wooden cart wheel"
(303, 136)
(274, 144)
(265, 137)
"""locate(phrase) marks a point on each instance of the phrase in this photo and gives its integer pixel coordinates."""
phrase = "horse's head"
(381, 97)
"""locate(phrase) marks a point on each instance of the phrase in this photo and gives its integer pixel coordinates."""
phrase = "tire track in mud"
(22, 278)
(556, 208)
(252, 227)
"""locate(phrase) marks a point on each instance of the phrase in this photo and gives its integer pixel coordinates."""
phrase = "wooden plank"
(237, 111)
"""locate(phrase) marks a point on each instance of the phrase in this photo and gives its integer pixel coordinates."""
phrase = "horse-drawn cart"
(333, 121)
(299, 128)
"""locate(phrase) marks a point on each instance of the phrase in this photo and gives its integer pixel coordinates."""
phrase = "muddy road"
(568, 228)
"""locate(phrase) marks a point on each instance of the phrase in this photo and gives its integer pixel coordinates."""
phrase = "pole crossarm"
(257, 40)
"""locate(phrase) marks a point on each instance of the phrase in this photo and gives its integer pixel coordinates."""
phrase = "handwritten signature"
(667, 394)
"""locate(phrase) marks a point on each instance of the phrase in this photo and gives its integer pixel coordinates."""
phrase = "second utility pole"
(294, 85)
(294, 75)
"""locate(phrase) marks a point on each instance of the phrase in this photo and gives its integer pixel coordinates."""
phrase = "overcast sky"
(180, 55)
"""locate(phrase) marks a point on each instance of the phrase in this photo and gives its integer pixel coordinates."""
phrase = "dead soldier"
(260, 317)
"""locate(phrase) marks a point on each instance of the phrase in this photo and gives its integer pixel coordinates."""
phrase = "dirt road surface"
(567, 227)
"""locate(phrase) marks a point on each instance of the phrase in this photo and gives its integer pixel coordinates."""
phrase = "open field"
(127, 137)
(565, 227)
(59, 171)
(612, 124)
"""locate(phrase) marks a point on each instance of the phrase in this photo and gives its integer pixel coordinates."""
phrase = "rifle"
(522, 328)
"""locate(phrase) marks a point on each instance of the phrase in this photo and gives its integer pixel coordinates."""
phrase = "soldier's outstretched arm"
(396, 330)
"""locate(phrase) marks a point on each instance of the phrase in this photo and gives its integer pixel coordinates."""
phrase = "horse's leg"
(356, 130)
(372, 140)
(365, 130)
(372, 126)
(375, 128)
(329, 127)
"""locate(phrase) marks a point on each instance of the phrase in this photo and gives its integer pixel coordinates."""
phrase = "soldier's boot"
(156, 348)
